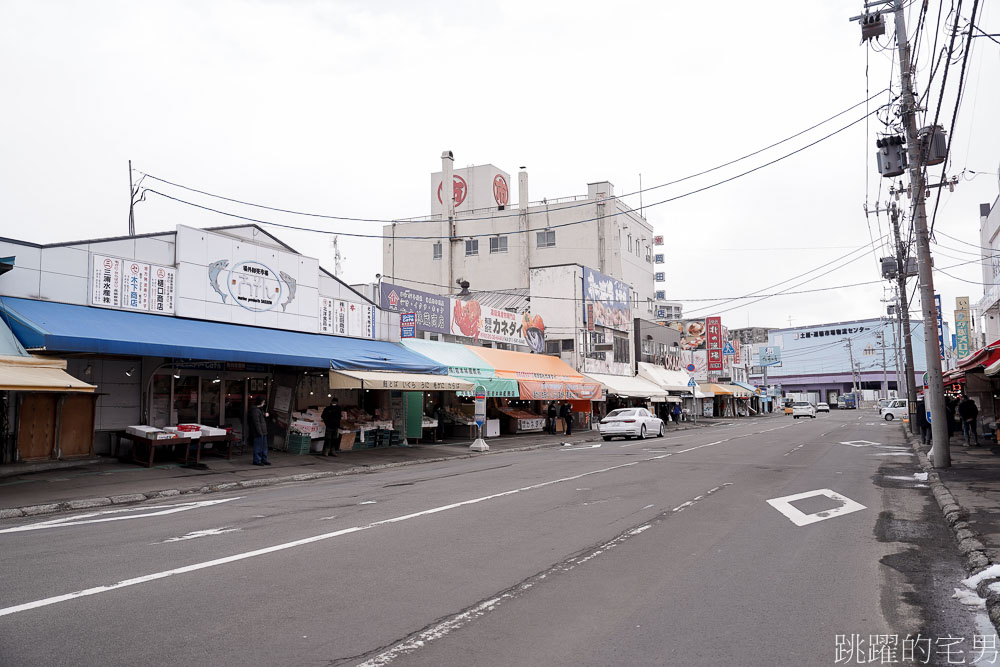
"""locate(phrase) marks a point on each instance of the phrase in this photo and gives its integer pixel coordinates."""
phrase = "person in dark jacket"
(550, 418)
(566, 412)
(922, 423)
(331, 419)
(950, 403)
(258, 433)
(675, 412)
(968, 411)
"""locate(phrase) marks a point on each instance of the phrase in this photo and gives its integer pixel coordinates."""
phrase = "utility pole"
(934, 395)
(903, 307)
(885, 377)
(854, 377)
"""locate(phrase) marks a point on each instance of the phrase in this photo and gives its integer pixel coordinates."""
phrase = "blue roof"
(60, 327)
(748, 387)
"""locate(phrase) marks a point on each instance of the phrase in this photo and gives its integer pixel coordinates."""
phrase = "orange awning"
(540, 377)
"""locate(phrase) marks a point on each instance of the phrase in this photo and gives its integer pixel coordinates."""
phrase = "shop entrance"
(211, 399)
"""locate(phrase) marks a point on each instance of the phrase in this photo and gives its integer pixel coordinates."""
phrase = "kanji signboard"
(714, 342)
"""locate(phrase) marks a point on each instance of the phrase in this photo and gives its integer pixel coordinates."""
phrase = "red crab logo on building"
(461, 189)
(466, 316)
(500, 192)
(393, 298)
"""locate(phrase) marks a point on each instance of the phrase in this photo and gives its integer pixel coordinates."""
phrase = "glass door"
(234, 407)
(211, 396)
(185, 400)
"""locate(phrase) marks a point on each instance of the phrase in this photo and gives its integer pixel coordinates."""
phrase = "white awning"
(399, 381)
(630, 386)
(992, 369)
(36, 373)
(665, 379)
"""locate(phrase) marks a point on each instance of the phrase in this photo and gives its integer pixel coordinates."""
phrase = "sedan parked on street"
(630, 423)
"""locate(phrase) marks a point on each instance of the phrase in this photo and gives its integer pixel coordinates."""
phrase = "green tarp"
(464, 364)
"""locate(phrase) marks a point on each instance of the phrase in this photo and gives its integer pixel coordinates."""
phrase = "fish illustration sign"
(251, 284)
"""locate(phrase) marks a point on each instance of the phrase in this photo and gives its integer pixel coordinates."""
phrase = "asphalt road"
(657, 552)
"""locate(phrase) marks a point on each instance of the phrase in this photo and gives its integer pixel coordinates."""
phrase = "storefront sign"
(433, 312)
(940, 324)
(407, 325)
(123, 283)
(660, 276)
(736, 355)
(346, 318)
(541, 390)
(658, 240)
(610, 299)
(470, 319)
(714, 342)
(963, 335)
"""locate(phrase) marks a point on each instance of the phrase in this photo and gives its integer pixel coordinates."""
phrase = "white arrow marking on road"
(82, 519)
(201, 533)
(799, 518)
(574, 447)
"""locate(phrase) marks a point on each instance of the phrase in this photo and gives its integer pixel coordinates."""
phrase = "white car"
(896, 409)
(822, 407)
(630, 423)
(803, 409)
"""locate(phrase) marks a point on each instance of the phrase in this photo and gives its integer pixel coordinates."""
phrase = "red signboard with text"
(713, 342)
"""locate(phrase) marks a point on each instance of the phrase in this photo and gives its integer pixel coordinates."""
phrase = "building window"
(552, 347)
(649, 305)
(649, 255)
(437, 250)
(546, 239)
(638, 245)
(630, 242)
(471, 247)
(621, 349)
(567, 345)
(498, 244)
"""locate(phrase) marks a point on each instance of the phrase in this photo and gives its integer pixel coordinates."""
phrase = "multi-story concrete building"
(481, 237)
(988, 307)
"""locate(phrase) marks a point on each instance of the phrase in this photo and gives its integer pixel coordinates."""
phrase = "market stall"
(541, 379)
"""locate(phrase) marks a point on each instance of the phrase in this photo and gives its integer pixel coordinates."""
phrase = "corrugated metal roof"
(515, 299)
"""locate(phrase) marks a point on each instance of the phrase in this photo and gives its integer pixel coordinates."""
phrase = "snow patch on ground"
(968, 598)
(920, 476)
(992, 572)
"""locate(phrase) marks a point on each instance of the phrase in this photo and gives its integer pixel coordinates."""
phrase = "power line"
(514, 214)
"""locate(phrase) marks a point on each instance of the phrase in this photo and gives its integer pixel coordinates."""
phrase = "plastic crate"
(298, 444)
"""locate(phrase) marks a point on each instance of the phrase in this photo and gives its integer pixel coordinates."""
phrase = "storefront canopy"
(731, 390)
(60, 327)
(710, 389)
(399, 381)
(665, 379)
(464, 364)
(30, 373)
(748, 391)
(540, 377)
(629, 386)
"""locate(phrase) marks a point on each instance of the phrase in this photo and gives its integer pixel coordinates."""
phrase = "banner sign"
(431, 312)
(541, 390)
(610, 299)
(769, 356)
(124, 283)
(940, 324)
(736, 356)
(713, 326)
(407, 325)
(469, 318)
(692, 333)
(963, 335)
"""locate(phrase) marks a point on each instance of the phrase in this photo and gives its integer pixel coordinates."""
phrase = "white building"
(988, 307)
(482, 238)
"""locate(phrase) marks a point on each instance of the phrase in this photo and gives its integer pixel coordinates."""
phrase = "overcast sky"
(344, 108)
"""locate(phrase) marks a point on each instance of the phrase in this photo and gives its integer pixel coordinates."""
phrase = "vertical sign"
(714, 343)
(162, 285)
(736, 356)
(325, 315)
(369, 321)
(340, 318)
(106, 283)
(407, 325)
(590, 317)
(135, 286)
(940, 324)
(963, 336)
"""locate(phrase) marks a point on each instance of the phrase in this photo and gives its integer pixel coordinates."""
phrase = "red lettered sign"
(713, 342)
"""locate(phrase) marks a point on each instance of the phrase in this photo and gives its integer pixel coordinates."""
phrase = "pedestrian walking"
(968, 411)
(950, 403)
(258, 432)
(922, 423)
(331, 419)
(675, 413)
(550, 418)
(566, 412)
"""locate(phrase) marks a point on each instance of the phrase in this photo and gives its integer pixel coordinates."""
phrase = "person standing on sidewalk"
(675, 413)
(968, 411)
(922, 423)
(550, 418)
(258, 432)
(331, 419)
(566, 412)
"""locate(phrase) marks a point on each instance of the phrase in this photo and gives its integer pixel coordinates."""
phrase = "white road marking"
(307, 540)
(200, 533)
(799, 518)
(575, 448)
(860, 443)
(793, 449)
(367, 502)
(122, 514)
(421, 639)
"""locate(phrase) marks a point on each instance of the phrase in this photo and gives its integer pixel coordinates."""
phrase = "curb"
(131, 498)
(969, 543)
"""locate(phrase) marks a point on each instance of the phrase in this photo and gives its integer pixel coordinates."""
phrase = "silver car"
(630, 423)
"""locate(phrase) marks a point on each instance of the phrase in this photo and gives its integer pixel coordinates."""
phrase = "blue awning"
(748, 387)
(60, 327)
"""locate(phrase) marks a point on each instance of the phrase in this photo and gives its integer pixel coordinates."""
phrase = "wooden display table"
(152, 444)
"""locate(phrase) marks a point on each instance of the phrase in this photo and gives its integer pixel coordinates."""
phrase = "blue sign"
(692, 383)
(658, 259)
(407, 325)
(660, 276)
(661, 294)
(728, 350)
(940, 324)
(433, 312)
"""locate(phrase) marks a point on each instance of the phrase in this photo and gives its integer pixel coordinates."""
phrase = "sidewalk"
(110, 482)
(969, 496)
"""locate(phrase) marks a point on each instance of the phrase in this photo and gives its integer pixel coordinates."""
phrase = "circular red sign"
(460, 189)
(500, 191)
